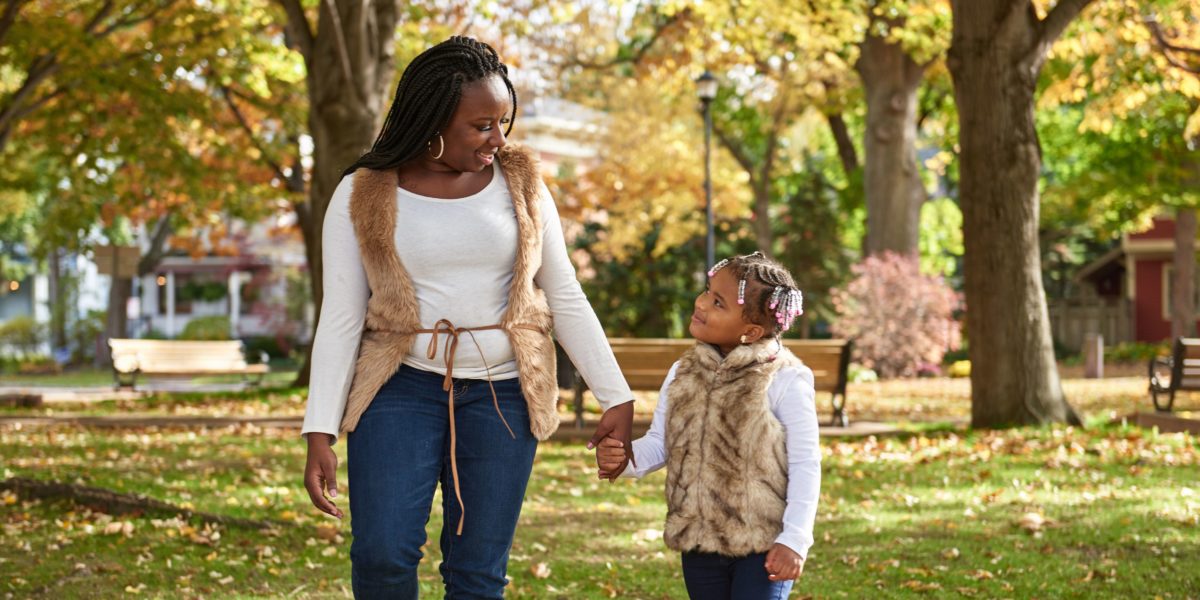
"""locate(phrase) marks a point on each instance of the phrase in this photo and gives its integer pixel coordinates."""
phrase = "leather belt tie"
(453, 333)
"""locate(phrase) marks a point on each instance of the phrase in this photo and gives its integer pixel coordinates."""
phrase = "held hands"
(610, 457)
(783, 564)
(616, 424)
(320, 473)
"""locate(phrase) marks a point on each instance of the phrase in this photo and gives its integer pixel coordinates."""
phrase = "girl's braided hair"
(766, 290)
(427, 96)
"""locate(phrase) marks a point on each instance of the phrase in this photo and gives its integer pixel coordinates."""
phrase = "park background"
(971, 191)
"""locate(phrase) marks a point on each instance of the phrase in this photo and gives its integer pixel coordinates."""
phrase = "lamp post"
(706, 90)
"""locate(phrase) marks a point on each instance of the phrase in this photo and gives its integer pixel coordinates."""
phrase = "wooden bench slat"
(645, 362)
(179, 358)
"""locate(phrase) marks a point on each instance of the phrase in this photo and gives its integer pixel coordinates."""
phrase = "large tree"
(348, 58)
(110, 127)
(902, 40)
(997, 52)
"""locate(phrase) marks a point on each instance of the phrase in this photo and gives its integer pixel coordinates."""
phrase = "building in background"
(1125, 294)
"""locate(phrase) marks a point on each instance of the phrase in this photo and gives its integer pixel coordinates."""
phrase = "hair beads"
(766, 290)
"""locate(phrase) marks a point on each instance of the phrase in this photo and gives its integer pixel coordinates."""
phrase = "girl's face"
(475, 132)
(717, 317)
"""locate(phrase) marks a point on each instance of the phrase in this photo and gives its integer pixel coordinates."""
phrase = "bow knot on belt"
(453, 334)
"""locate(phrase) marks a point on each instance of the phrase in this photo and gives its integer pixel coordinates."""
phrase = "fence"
(1071, 320)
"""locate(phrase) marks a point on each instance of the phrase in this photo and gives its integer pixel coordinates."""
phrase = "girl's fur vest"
(727, 465)
(392, 313)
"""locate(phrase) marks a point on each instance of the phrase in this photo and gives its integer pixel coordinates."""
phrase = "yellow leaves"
(540, 570)
(921, 586)
(1032, 522)
(643, 536)
(1192, 129)
(124, 528)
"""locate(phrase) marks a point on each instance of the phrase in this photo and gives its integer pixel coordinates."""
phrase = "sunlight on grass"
(1032, 512)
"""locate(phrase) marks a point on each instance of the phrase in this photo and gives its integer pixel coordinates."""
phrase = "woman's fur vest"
(392, 312)
(727, 465)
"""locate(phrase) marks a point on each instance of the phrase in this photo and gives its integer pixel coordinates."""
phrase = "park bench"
(177, 358)
(646, 361)
(1179, 371)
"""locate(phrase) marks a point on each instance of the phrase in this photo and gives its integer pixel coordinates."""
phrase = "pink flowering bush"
(900, 320)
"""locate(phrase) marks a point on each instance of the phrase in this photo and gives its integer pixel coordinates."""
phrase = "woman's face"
(476, 130)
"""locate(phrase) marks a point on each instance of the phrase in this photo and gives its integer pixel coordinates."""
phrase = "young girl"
(736, 427)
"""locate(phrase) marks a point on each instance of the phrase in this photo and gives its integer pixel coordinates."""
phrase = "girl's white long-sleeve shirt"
(792, 400)
(460, 255)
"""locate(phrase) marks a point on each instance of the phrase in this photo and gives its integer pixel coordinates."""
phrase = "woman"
(445, 267)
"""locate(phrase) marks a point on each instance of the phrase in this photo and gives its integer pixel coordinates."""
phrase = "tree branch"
(639, 51)
(1167, 47)
(11, 9)
(131, 20)
(158, 246)
(100, 15)
(245, 125)
(41, 68)
(297, 25)
(845, 144)
(1059, 18)
(738, 151)
(339, 39)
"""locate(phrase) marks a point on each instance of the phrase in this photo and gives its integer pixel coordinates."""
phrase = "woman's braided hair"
(426, 97)
(767, 291)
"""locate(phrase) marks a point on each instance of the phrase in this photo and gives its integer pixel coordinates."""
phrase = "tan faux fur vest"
(392, 312)
(727, 471)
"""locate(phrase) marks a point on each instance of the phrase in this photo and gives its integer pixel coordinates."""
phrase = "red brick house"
(1125, 294)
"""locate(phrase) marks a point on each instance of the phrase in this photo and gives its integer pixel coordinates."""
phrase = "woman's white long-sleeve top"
(460, 255)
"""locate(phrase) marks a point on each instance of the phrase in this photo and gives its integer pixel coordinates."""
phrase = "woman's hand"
(783, 564)
(320, 473)
(610, 457)
(616, 423)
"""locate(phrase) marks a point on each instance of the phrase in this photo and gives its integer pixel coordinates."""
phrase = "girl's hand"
(616, 423)
(610, 457)
(320, 473)
(783, 564)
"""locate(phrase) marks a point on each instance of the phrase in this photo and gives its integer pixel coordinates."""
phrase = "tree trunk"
(996, 54)
(117, 323)
(350, 70)
(892, 181)
(762, 215)
(1183, 284)
(60, 300)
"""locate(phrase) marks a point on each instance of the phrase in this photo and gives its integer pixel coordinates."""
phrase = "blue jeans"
(716, 577)
(399, 453)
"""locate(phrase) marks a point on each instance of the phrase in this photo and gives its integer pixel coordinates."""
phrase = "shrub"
(21, 336)
(83, 334)
(276, 347)
(211, 328)
(1135, 352)
(900, 320)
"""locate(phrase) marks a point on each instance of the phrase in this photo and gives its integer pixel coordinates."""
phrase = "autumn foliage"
(902, 321)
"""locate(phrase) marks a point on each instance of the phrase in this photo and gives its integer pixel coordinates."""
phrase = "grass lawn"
(88, 378)
(1049, 513)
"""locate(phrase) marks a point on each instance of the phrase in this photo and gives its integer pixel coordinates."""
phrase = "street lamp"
(706, 90)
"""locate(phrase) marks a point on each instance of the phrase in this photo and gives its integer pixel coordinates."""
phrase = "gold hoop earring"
(441, 147)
